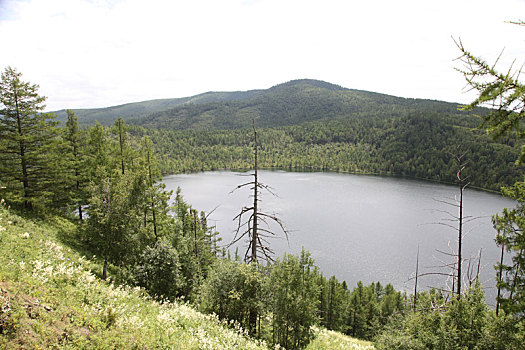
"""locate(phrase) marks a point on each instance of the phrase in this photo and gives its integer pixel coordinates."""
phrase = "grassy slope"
(49, 298)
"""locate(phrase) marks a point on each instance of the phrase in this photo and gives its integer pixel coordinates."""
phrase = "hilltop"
(290, 103)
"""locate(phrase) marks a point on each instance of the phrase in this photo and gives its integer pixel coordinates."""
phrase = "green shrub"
(158, 270)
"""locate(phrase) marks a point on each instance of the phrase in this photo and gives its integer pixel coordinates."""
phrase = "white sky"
(99, 53)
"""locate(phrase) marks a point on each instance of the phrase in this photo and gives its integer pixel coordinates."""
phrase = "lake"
(357, 227)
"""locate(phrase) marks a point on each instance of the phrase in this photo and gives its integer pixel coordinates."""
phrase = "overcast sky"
(99, 53)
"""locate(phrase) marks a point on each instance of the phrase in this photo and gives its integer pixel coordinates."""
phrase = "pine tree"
(123, 149)
(74, 145)
(27, 151)
(113, 220)
(295, 300)
(156, 201)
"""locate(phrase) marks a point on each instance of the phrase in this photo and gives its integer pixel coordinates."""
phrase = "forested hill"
(290, 103)
(137, 110)
(315, 125)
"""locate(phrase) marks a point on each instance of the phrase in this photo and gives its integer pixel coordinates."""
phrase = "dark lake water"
(358, 227)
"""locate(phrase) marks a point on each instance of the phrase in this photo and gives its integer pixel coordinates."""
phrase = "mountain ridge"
(288, 103)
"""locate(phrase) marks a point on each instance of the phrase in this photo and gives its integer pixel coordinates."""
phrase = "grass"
(49, 298)
(325, 339)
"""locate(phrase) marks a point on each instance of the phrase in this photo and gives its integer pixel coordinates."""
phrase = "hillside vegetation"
(310, 125)
(134, 110)
(290, 103)
(50, 298)
(418, 145)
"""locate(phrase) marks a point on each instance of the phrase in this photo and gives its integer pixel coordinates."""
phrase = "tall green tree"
(295, 290)
(156, 201)
(123, 150)
(26, 141)
(194, 241)
(97, 153)
(113, 223)
(75, 143)
(332, 303)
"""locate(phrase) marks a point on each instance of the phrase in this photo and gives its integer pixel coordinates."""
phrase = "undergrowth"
(50, 298)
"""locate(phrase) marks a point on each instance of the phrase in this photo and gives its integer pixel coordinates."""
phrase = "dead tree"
(460, 220)
(462, 186)
(470, 268)
(250, 218)
(500, 274)
(456, 222)
(249, 226)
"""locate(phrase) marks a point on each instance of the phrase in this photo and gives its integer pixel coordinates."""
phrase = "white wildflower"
(164, 316)
(24, 235)
(66, 270)
(133, 321)
(87, 277)
(42, 272)
(57, 249)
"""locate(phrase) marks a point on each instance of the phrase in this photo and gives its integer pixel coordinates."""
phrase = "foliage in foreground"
(464, 323)
(50, 299)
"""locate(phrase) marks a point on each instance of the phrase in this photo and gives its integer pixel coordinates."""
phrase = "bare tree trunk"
(460, 230)
(105, 269)
(253, 310)
(154, 217)
(479, 263)
(195, 234)
(462, 186)
(415, 283)
(500, 274)
(255, 200)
